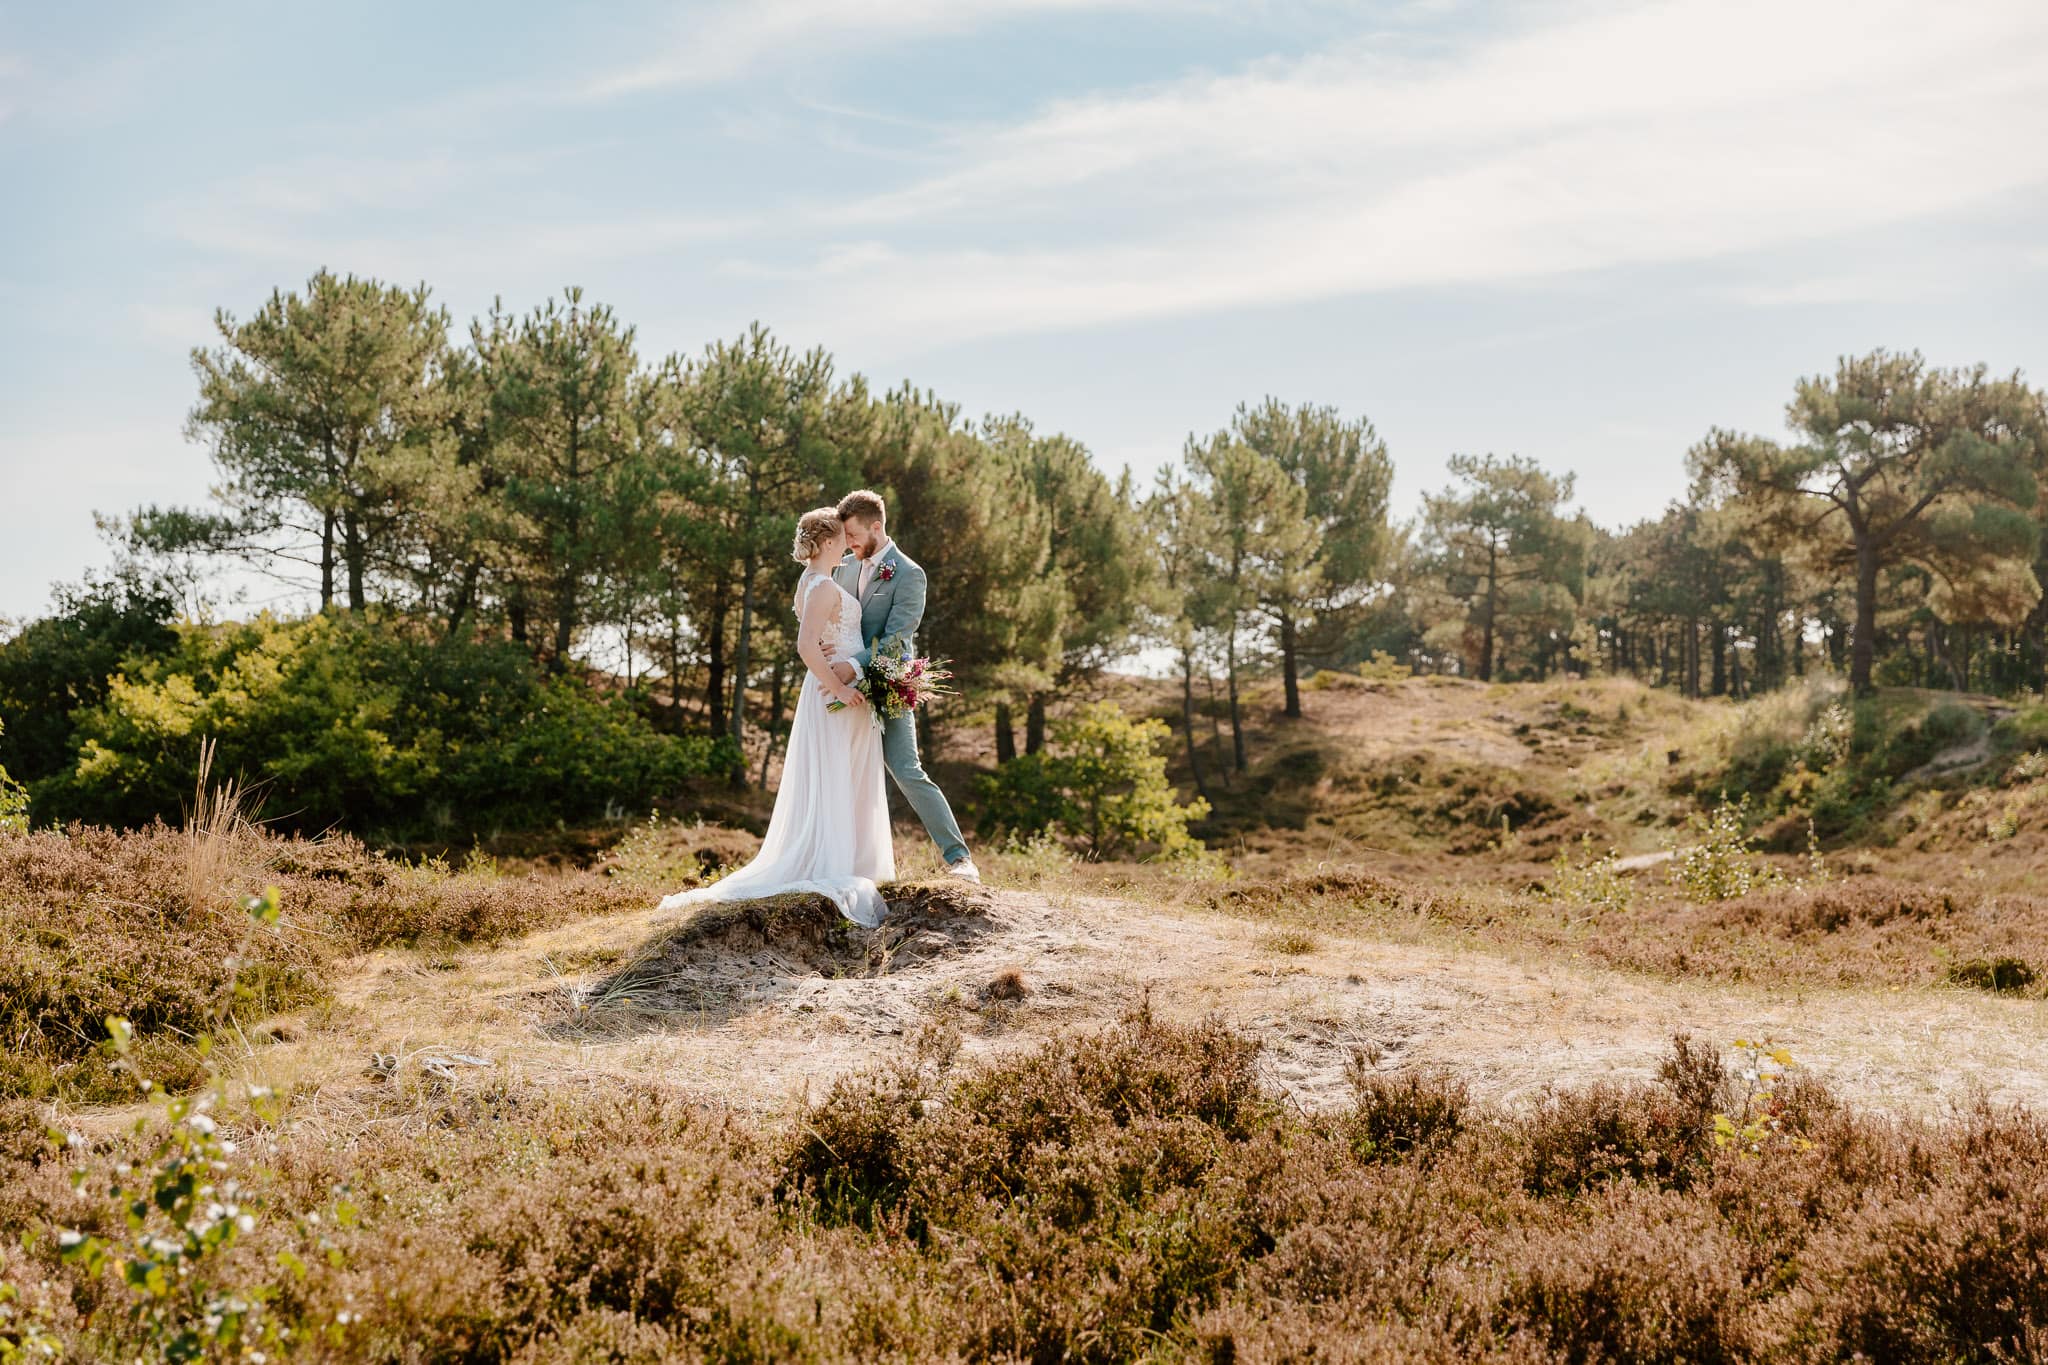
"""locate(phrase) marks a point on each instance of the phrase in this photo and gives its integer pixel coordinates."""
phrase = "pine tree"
(319, 409)
(1901, 464)
(1344, 474)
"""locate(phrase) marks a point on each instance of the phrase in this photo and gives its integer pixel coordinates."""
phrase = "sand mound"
(726, 958)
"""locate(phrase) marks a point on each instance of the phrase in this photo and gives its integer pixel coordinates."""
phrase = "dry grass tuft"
(223, 846)
(1288, 942)
(1007, 985)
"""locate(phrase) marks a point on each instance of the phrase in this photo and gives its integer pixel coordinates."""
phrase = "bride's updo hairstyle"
(813, 529)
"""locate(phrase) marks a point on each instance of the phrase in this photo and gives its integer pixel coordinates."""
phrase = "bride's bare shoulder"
(808, 596)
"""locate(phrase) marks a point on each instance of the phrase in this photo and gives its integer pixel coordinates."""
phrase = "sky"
(1578, 230)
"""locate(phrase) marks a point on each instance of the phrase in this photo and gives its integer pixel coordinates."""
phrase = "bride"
(830, 830)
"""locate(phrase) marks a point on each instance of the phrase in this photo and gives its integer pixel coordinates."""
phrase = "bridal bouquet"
(896, 686)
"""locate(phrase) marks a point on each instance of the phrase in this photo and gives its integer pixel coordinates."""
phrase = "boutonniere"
(886, 572)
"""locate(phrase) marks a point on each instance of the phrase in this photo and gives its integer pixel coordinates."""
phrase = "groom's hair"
(864, 503)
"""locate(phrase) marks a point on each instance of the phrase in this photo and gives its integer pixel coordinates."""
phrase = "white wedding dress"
(830, 830)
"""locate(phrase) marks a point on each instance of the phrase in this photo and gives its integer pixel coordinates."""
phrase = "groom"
(890, 588)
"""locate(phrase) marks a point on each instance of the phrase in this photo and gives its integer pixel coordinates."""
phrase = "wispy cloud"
(13, 76)
(1682, 130)
(726, 40)
(320, 211)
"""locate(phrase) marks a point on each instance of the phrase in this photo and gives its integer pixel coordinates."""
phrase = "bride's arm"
(821, 610)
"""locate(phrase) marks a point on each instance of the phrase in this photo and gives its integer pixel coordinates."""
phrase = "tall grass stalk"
(218, 834)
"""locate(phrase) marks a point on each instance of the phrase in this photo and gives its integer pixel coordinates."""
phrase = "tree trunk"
(1034, 724)
(565, 621)
(515, 614)
(1187, 720)
(1290, 679)
(675, 664)
(1863, 644)
(352, 551)
(326, 560)
(1216, 729)
(774, 719)
(740, 653)
(739, 663)
(714, 686)
(1720, 633)
(1006, 734)
(1236, 713)
(1492, 606)
(465, 596)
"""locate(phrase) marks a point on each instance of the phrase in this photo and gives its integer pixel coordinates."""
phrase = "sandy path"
(1509, 1026)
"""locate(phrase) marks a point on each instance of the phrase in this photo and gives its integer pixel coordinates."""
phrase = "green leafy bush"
(60, 663)
(1723, 863)
(1102, 783)
(1591, 883)
(354, 724)
(13, 802)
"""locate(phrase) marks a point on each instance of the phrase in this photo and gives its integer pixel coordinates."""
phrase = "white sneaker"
(965, 870)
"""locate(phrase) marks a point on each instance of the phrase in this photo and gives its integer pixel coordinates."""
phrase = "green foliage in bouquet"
(1101, 783)
(347, 722)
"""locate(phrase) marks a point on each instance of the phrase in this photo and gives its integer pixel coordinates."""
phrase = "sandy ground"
(768, 1030)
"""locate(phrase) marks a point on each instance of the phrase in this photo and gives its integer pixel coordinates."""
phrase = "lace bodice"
(843, 634)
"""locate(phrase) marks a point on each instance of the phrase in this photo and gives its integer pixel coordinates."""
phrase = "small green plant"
(1036, 859)
(1383, 667)
(646, 858)
(23, 1337)
(1758, 1124)
(184, 1212)
(1507, 841)
(1593, 883)
(1826, 742)
(1723, 863)
(477, 863)
(183, 1215)
(1816, 861)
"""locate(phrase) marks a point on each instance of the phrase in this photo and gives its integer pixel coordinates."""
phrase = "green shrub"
(2023, 730)
(1102, 782)
(13, 802)
(1591, 883)
(59, 663)
(350, 723)
(1952, 723)
(1723, 864)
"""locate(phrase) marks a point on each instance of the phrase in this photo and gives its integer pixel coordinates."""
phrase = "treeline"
(535, 484)
(543, 483)
(1898, 536)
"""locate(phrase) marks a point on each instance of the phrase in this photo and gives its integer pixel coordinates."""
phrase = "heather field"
(1529, 1052)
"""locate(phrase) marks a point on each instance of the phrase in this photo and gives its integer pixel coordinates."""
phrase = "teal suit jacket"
(893, 608)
